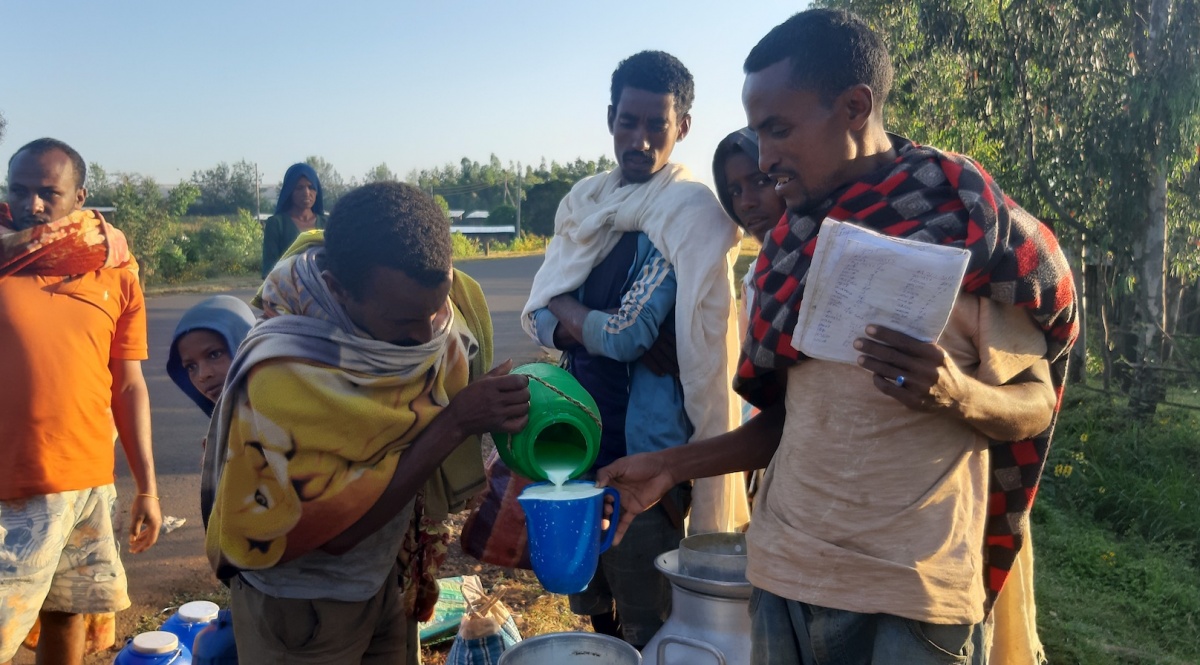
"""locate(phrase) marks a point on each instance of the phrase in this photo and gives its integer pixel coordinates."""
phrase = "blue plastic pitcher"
(191, 618)
(154, 648)
(564, 533)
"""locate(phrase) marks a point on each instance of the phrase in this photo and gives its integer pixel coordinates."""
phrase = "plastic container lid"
(156, 642)
(199, 611)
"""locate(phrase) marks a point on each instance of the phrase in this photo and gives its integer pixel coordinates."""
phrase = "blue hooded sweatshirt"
(226, 316)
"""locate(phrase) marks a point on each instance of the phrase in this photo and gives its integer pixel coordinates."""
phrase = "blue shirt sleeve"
(645, 308)
(544, 325)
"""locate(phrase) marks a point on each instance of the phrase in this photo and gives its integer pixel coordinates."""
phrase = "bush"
(207, 247)
(172, 262)
(464, 247)
(526, 242)
(227, 246)
(502, 215)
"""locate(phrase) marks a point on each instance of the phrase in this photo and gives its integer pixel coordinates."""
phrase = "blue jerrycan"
(154, 648)
(189, 620)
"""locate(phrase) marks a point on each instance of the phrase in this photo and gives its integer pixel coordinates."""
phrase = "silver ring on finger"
(900, 381)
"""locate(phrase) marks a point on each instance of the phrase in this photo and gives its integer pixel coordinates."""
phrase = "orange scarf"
(79, 243)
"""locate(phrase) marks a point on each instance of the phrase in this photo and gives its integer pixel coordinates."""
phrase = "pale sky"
(166, 88)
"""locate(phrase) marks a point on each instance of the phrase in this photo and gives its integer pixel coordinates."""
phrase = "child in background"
(749, 198)
(747, 194)
(205, 342)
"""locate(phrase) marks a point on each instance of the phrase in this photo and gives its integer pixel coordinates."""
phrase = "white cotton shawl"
(684, 221)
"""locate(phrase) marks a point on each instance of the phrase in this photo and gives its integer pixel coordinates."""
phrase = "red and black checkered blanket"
(945, 199)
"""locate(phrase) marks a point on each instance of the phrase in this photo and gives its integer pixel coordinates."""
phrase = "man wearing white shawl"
(640, 253)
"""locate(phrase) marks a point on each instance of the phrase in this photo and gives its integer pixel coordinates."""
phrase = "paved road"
(177, 562)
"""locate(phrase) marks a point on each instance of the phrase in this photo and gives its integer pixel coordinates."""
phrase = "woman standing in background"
(300, 208)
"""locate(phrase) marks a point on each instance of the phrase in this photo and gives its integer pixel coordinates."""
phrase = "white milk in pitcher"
(563, 492)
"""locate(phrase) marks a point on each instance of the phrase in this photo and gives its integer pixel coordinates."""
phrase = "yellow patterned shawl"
(314, 420)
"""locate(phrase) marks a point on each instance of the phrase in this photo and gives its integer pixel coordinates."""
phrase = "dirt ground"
(179, 573)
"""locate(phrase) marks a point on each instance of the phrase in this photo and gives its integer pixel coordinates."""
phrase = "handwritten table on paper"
(860, 277)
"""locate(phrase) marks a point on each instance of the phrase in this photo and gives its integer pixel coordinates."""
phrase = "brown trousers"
(290, 631)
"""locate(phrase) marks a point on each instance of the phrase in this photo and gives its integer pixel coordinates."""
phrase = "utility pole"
(257, 194)
(520, 177)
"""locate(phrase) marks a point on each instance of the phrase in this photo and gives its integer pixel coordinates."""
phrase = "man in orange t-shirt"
(72, 338)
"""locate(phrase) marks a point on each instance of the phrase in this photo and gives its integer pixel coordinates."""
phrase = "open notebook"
(860, 277)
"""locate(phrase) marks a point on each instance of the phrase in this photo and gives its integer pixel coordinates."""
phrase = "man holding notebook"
(898, 485)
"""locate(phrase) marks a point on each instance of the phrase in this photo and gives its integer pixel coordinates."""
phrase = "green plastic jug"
(562, 438)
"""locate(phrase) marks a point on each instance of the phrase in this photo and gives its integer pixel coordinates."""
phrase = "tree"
(332, 185)
(1088, 113)
(180, 198)
(225, 189)
(541, 204)
(470, 185)
(149, 218)
(580, 169)
(101, 188)
(1166, 56)
(503, 215)
(441, 203)
(380, 173)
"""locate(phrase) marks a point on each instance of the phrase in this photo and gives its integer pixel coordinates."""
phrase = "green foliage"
(1108, 599)
(1118, 570)
(541, 204)
(147, 216)
(102, 188)
(743, 265)
(502, 215)
(1130, 477)
(181, 197)
(464, 247)
(1059, 101)
(470, 185)
(441, 203)
(380, 173)
(225, 189)
(332, 185)
(209, 247)
(172, 262)
(228, 246)
(523, 244)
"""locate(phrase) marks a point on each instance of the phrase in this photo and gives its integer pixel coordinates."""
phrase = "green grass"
(745, 260)
(1115, 530)
(1103, 598)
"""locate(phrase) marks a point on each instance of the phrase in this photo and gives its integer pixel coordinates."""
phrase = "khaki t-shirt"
(871, 507)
